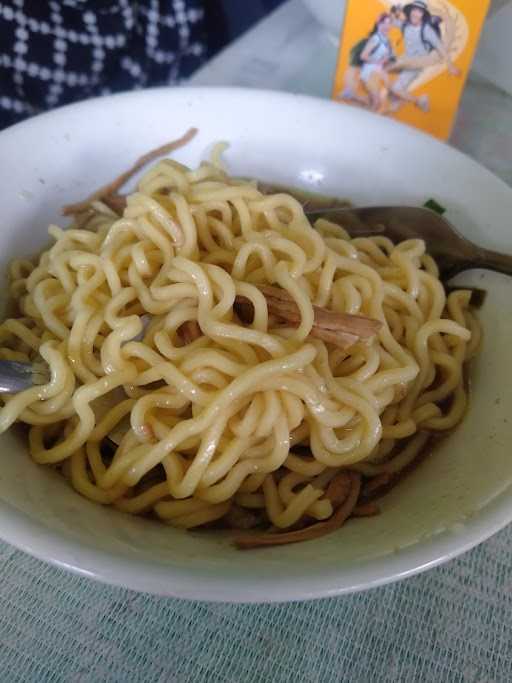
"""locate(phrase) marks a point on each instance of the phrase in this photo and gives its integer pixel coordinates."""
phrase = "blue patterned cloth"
(452, 624)
(57, 51)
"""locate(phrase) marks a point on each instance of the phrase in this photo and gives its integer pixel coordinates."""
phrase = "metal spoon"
(452, 252)
(15, 376)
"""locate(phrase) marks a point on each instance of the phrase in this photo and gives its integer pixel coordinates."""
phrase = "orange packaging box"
(410, 60)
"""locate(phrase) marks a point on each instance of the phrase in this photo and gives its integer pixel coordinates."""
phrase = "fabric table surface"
(451, 624)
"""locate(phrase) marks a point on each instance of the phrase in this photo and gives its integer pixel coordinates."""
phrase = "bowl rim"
(149, 577)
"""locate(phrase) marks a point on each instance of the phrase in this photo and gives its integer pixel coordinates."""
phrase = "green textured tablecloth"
(450, 624)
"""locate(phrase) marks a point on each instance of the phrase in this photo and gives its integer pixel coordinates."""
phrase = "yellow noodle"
(218, 421)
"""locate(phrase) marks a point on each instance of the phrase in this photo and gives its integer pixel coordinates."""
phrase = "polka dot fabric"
(58, 51)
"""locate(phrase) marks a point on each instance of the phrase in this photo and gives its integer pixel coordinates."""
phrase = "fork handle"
(493, 260)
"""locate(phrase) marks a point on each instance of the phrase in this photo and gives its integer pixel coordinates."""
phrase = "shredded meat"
(189, 331)
(339, 329)
(376, 484)
(349, 482)
(116, 202)
(110, 190)
(367, 510)
(241, 518)
(358, 325)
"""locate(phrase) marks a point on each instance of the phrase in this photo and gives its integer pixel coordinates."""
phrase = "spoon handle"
(493, 260)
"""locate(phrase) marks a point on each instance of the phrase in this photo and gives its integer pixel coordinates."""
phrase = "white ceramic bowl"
(456, 499)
